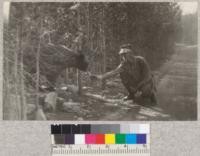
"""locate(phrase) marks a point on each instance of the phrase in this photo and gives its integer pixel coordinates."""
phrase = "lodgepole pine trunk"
(79, 82)
(6, 86)
(66, 76)
(103, 46)
(37, 74)
(78, 47)
(21, 76)
(89, 35)
(15, 99)
(39, 114)
(6, 95)
(23, 95)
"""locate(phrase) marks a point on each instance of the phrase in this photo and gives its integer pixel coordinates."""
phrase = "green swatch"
(120, 138)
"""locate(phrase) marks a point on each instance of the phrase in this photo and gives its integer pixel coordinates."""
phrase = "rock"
(71, 106)
(80, 119)
(72, 88)
(39, 115)
(50, 101)
(30, 108)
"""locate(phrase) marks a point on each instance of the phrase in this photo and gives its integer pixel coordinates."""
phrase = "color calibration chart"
(100, 139)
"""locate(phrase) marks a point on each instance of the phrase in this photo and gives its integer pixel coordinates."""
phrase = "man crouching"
(135, 75)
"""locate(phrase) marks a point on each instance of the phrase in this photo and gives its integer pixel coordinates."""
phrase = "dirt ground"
(176, 93)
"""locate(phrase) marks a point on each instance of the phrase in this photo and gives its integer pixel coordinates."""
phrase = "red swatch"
(100, 139)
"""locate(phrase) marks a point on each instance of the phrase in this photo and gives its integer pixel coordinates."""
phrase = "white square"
(125, 128)
(135, 128)
(52, 140)
(144, 129)
(79, 139)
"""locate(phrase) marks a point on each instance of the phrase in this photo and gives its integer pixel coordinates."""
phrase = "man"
(135, 75)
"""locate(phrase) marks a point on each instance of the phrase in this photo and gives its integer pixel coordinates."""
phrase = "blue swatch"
(141, 138)
(130, 138)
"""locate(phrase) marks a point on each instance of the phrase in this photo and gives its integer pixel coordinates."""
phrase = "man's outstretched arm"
(108, 74)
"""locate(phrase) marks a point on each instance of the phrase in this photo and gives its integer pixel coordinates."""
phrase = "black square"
(76, 129)
(66, 129)
(55, 129)
(85, 129)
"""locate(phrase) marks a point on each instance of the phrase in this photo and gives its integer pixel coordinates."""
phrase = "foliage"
(190, 30)
(150, 27)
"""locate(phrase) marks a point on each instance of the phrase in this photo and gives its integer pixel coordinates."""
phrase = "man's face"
(125, 54)
(124, 57)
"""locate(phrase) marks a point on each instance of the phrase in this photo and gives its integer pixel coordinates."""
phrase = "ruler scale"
(100, 139)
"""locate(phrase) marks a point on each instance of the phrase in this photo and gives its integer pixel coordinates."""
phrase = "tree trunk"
(39, 114)
(103, 47)
(79, 47)
(22, 92)
(38, 74)
(6, 86)
(15, 101)
(66, 76)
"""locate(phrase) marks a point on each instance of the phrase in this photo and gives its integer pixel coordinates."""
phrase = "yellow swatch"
(109, 138)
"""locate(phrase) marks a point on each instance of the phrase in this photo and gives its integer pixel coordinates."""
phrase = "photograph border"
(167, 137)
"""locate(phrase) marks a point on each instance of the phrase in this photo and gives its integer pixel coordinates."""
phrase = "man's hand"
(138, 94)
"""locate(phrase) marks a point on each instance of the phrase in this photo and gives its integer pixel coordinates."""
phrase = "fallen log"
(112, 102)
(100, 98)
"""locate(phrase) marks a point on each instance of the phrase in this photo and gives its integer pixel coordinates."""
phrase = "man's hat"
(125, 48)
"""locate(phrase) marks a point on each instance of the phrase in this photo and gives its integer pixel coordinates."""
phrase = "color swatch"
(110, 134)
(109, 138)
(90, 139)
